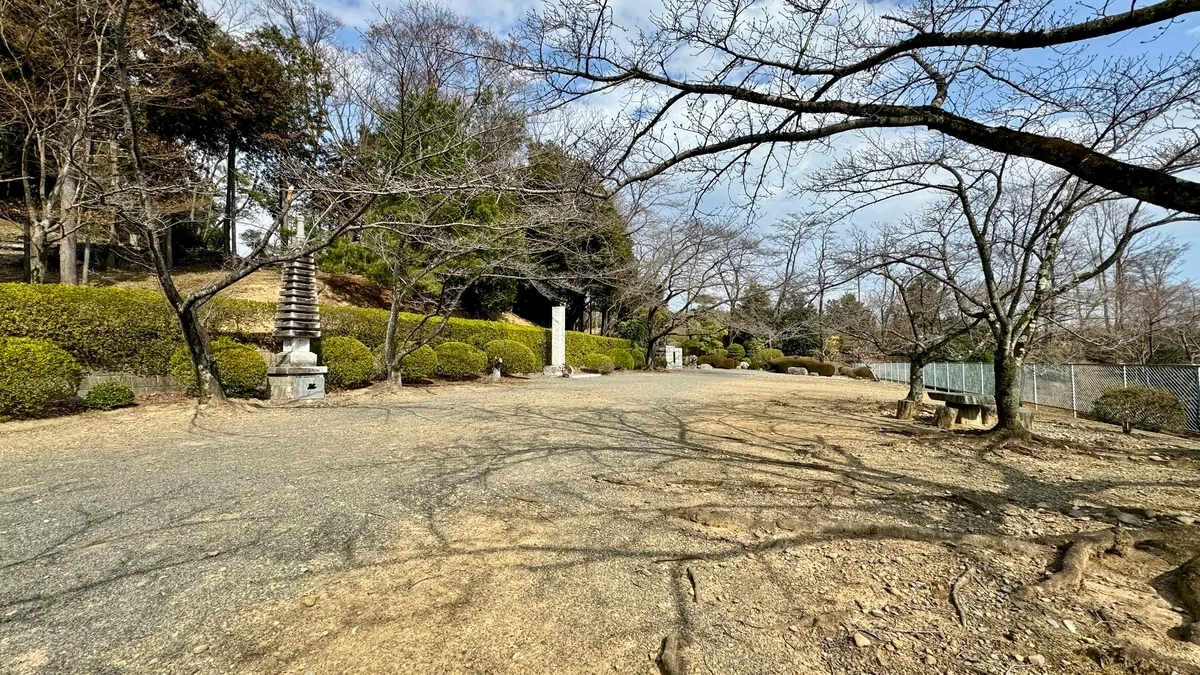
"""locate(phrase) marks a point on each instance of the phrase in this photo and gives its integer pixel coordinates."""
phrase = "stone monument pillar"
(558, 341)
(294, 374)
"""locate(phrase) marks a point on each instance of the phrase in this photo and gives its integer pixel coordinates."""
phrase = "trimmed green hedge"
(769, 354)
(598, 363)
(349, 361)
(1141, 408)
(511, 356)
(460, 360)
(813, 365)
(419, 364)
(109, 395)
(639, 357)
(717, 361)
(736, 351)
(34, 374)
(621, 358)
(102, 328)
(122, 330)
(240, 368)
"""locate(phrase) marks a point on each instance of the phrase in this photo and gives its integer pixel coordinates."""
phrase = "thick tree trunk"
(85, 273)
(68, 243)
(38, 258)
(389, 340)
(652, 340)
(230, 229)
(204, 364)
(68, 249)
(1007, 369)
(916, 381)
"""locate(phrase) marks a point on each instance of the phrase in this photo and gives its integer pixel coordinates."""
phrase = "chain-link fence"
(1072, 387)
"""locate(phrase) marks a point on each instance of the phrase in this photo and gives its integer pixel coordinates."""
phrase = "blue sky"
(501, 17)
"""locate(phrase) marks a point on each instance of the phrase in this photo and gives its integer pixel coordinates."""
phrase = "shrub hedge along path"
(548, 526)
(120, 330)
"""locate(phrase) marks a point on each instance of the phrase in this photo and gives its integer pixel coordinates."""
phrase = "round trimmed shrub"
(511, 356)
(639, 357)
(864, 373)
(768, 354)
(598, 363)
(1141, 408)
(109, 395)
(460, 360)
(419, 364)
(814, 366)
(349, 361)
(621, 358)
(34, 374)
(718, 362)
(241, 370)
(736, 351)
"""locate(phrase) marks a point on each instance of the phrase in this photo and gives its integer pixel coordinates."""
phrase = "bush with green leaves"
(622, 359)
(241, 370)
(716, 361)
(639, 357)
(1141, 408)
(768, 354)
(109, 395)
(814, 366)
(598, 363)
(460, 360)
(736, 351)
(419, 364)
(33, 375)
(123, 330)
(103, 329)
(511, 356)
(349, 361)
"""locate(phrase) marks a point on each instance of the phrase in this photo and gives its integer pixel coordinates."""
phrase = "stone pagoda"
(294, 373)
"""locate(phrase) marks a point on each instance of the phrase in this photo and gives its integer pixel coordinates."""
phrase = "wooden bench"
(969, 407)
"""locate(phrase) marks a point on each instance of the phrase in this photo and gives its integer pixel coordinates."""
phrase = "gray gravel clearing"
(534, 526)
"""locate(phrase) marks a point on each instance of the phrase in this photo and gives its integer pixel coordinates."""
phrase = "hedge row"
(122, 330)
(813, 365)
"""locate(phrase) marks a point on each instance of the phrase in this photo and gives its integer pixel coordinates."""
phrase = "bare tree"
(745, 89)
(681, 266)
(918, 317)
(56, 62)
(1002, 234)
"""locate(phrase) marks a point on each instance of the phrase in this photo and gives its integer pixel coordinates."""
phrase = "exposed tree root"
(1132, 659)
(1188, 587)
(670, 657)
(723, 519)
(956, 600)
(1069, 576)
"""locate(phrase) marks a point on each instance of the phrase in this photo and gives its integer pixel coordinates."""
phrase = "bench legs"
(945, 417)
(905, 409)
(987, 415)
(969, 413)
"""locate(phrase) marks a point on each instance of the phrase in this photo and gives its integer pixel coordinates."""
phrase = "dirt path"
(758, 523)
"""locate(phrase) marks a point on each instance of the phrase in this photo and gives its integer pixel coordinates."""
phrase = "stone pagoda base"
(297, 383)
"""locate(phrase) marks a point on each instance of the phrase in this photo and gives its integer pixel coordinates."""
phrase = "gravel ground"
(562, 526)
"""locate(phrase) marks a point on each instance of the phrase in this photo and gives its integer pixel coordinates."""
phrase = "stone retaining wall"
(141, 385)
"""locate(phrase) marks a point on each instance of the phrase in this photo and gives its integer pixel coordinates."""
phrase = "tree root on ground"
(1170, 542)
(724, 519)
(1188, 587)
(671, 660)
(1069, 577)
